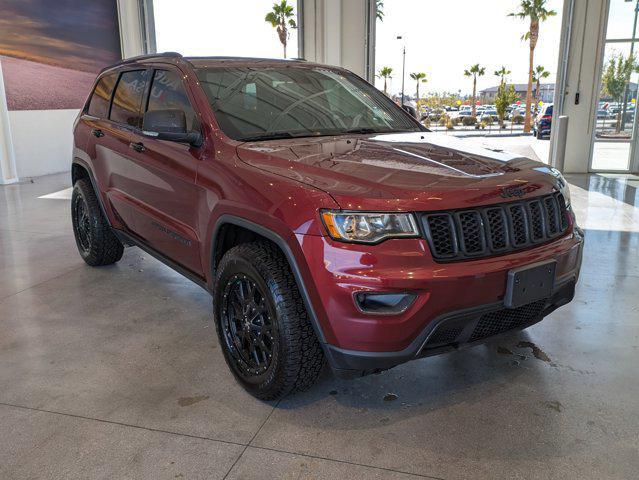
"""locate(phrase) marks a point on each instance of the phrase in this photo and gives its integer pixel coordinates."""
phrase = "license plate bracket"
(530, 283)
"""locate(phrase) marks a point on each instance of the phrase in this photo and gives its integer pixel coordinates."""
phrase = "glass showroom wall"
(443, 40)
(216, 27)
(615, 137)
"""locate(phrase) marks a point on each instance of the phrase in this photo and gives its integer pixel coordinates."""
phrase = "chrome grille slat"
(495, 229)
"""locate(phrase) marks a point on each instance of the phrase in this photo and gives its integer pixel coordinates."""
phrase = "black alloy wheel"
(262, 324)
(82, 223)
(247, 326)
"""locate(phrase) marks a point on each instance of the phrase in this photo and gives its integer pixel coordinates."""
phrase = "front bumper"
(456, 295)
(452, 331)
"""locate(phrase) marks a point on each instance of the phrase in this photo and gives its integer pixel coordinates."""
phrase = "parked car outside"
(326, 222)
(517, 112)
(464, 113)
(543, 122)
(489, 114)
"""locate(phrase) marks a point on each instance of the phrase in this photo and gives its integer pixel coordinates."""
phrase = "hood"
(405, 171)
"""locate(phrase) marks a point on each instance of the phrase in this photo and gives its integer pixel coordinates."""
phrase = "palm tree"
(385, 73)
(536, 11)
(281, 18)
(502, 73)
(539, 73)
(379, 10)
(475, 71)
(418, 77)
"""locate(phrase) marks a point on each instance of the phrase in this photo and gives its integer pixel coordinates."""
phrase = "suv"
(543, 122)
(327, 224)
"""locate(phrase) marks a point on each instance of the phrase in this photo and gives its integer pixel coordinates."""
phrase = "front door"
(163, 174)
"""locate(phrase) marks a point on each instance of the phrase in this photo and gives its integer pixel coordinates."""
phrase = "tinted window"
(128, 98)
(99, 104)
(167, 93)
(549, 110)
(252, 103)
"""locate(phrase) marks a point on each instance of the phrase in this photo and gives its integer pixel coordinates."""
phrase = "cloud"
(82, 36)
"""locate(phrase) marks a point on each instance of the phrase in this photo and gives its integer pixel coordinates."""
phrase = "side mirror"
(410, 110)
(169, 125)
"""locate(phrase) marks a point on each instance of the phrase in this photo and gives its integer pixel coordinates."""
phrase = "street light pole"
(404, 67)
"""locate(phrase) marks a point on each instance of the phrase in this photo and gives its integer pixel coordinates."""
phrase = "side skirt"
(133, 240)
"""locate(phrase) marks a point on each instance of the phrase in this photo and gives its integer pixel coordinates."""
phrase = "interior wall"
(8, 173)
(42, 141)
(583, 65)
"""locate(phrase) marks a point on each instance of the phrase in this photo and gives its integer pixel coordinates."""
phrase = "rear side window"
(101, 97)
(167, 93)
(127, 99)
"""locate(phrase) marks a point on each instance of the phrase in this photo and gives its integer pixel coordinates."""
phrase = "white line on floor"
(61, 195)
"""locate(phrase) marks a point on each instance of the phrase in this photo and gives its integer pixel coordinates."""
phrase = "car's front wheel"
(262, 323)
(95, 240)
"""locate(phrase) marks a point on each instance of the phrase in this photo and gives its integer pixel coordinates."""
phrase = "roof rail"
(147, 57)
(232, 57)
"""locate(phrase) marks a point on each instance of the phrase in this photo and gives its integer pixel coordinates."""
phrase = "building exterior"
(546, 92)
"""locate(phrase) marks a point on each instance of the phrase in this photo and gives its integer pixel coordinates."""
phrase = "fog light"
(383, 303)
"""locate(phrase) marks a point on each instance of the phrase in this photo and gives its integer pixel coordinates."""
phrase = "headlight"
(562, 184)
(369, 227)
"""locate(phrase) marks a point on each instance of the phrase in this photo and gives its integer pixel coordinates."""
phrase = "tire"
(272, 350)
(96, 242)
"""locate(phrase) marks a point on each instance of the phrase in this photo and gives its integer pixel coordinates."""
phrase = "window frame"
(147, 96)
(137, 128)
(109, 100)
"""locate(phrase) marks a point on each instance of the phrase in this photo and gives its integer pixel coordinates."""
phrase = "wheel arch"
(259, 231)
(80, 169)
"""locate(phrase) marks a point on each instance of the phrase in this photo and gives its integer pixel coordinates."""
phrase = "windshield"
(287, 102)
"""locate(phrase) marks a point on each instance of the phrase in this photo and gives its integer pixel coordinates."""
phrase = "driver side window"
(168, 93)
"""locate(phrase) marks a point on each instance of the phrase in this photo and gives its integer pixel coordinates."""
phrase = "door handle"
(137, 146)
(97, 132)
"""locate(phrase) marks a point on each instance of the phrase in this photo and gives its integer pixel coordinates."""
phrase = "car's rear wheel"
(95, 240)
(262, 323)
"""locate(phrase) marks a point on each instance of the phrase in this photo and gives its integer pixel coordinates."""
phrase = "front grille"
(485, 231)
(500, 321)
(444, 335)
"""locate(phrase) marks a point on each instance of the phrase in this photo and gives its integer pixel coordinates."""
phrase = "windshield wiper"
(268, 136)
(350, 131)
(365, 130)
(361, 130)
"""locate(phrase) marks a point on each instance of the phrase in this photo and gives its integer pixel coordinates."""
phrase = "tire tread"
(303, 357)
(106, 248)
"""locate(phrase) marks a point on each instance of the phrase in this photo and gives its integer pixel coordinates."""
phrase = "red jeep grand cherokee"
(325, 222)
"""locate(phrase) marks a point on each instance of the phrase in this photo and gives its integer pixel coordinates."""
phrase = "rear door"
(161, 177)
(103, 149)
(116, 138)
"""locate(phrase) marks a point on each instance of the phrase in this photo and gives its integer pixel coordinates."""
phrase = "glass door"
(615, 132)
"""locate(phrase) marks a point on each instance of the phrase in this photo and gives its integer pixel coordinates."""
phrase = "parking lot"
(607, 155)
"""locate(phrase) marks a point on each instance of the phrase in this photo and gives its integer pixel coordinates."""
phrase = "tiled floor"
(115, 372)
